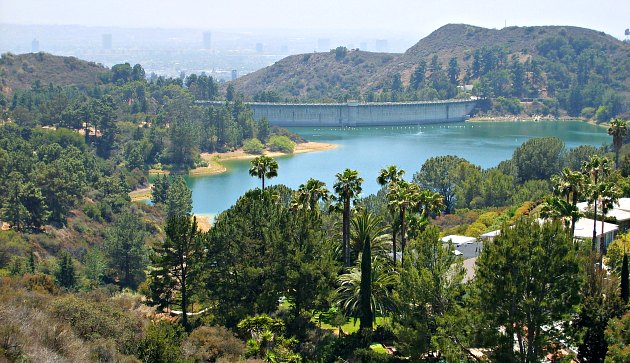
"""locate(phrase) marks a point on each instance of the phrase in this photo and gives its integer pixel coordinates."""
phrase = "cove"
(368, 149)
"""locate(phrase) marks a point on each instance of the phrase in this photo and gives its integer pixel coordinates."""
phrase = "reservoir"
(368, 149)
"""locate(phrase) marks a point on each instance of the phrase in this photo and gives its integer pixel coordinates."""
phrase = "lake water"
(370, 149)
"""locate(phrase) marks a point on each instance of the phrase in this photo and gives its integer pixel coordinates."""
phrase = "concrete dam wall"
(362, 114)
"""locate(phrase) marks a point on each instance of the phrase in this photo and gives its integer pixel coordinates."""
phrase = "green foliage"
(618, 339)
(428, 299)
(178, 198)
(263, 167)
(438, 175)
(175, 265)
(126, 251)
(267, 340)
(65, 274)
(280, 143)
(526, 278)
(253, 146)
(161, 343)
(538, 158)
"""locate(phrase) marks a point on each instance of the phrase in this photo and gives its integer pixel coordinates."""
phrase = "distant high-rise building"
(207, 40)
(363, 46)
(35, 46)
(234, 74)
(381, 45)
(182, 75)
(323, 44)
(259, 47)
(107, 41)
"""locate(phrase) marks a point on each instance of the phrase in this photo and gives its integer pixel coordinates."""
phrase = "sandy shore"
(241, 155)
(141, 194)
(215, 167)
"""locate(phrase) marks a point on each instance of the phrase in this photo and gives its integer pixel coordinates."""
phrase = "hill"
(313, 75)
(461, 41)
(572, 70)
(21, 71)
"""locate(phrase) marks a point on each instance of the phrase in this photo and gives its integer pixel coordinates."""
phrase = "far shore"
(536, 119)
(215, 165)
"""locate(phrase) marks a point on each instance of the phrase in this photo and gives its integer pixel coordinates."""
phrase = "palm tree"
(263, 167)
(401, 196)
(389, 174)
(609, 195)
(597, 168)
(365, 290)
(309, 194)
(618, 130)
(386, 177)
(347, 187)
(571, 185)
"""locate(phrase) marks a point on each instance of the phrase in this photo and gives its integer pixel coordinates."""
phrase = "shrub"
(253, 146)
(280, 143)
(207, 344)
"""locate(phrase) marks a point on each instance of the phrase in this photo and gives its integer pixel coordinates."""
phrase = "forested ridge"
(557, 70)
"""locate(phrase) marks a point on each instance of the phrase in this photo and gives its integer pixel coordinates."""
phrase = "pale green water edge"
(370, 149)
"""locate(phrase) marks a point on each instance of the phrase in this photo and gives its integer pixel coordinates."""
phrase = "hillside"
(20, 71)
(573, 70)
(461, 41)
(315, 75)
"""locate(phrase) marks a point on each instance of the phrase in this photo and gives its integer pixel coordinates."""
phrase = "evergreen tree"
(625, 289)
(178, 198)
(175, 265)
(124, 243)
(65, 273)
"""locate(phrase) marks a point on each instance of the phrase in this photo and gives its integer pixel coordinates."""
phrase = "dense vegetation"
(307, 274)
(135, 122)
(553, 70)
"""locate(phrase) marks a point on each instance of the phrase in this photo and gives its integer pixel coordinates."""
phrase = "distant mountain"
(21, 71)
(574, 68)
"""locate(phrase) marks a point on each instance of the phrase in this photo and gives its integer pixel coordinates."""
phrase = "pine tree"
(65, 274)
(624, 279)
(175, 264)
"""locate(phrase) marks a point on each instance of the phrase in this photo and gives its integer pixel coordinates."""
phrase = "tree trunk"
(346, 232)
(403, 238)
(366, 288)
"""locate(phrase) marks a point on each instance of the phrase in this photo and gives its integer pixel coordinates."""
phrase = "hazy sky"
(408, 16)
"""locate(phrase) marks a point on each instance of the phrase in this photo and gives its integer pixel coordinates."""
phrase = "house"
(467, 247)
(584, 230)
(621, 212)
(490, 236)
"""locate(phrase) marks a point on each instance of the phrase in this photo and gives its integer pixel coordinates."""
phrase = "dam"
(353, 114)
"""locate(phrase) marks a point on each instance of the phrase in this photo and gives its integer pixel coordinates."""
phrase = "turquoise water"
(370, 149)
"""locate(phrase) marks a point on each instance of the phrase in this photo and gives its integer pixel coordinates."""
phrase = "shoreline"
(215, 165)
(537, 119)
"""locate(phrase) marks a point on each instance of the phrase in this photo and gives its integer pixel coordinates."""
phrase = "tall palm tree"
(386, 177)
(366, 231)
(366, 289)
(309, 194)
(263, 167)
(619, 131)
(597, 168)
(402, 195)
(347, 187)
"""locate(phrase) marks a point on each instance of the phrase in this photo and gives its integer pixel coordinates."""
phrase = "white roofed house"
(620, 213)
(584, 231)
